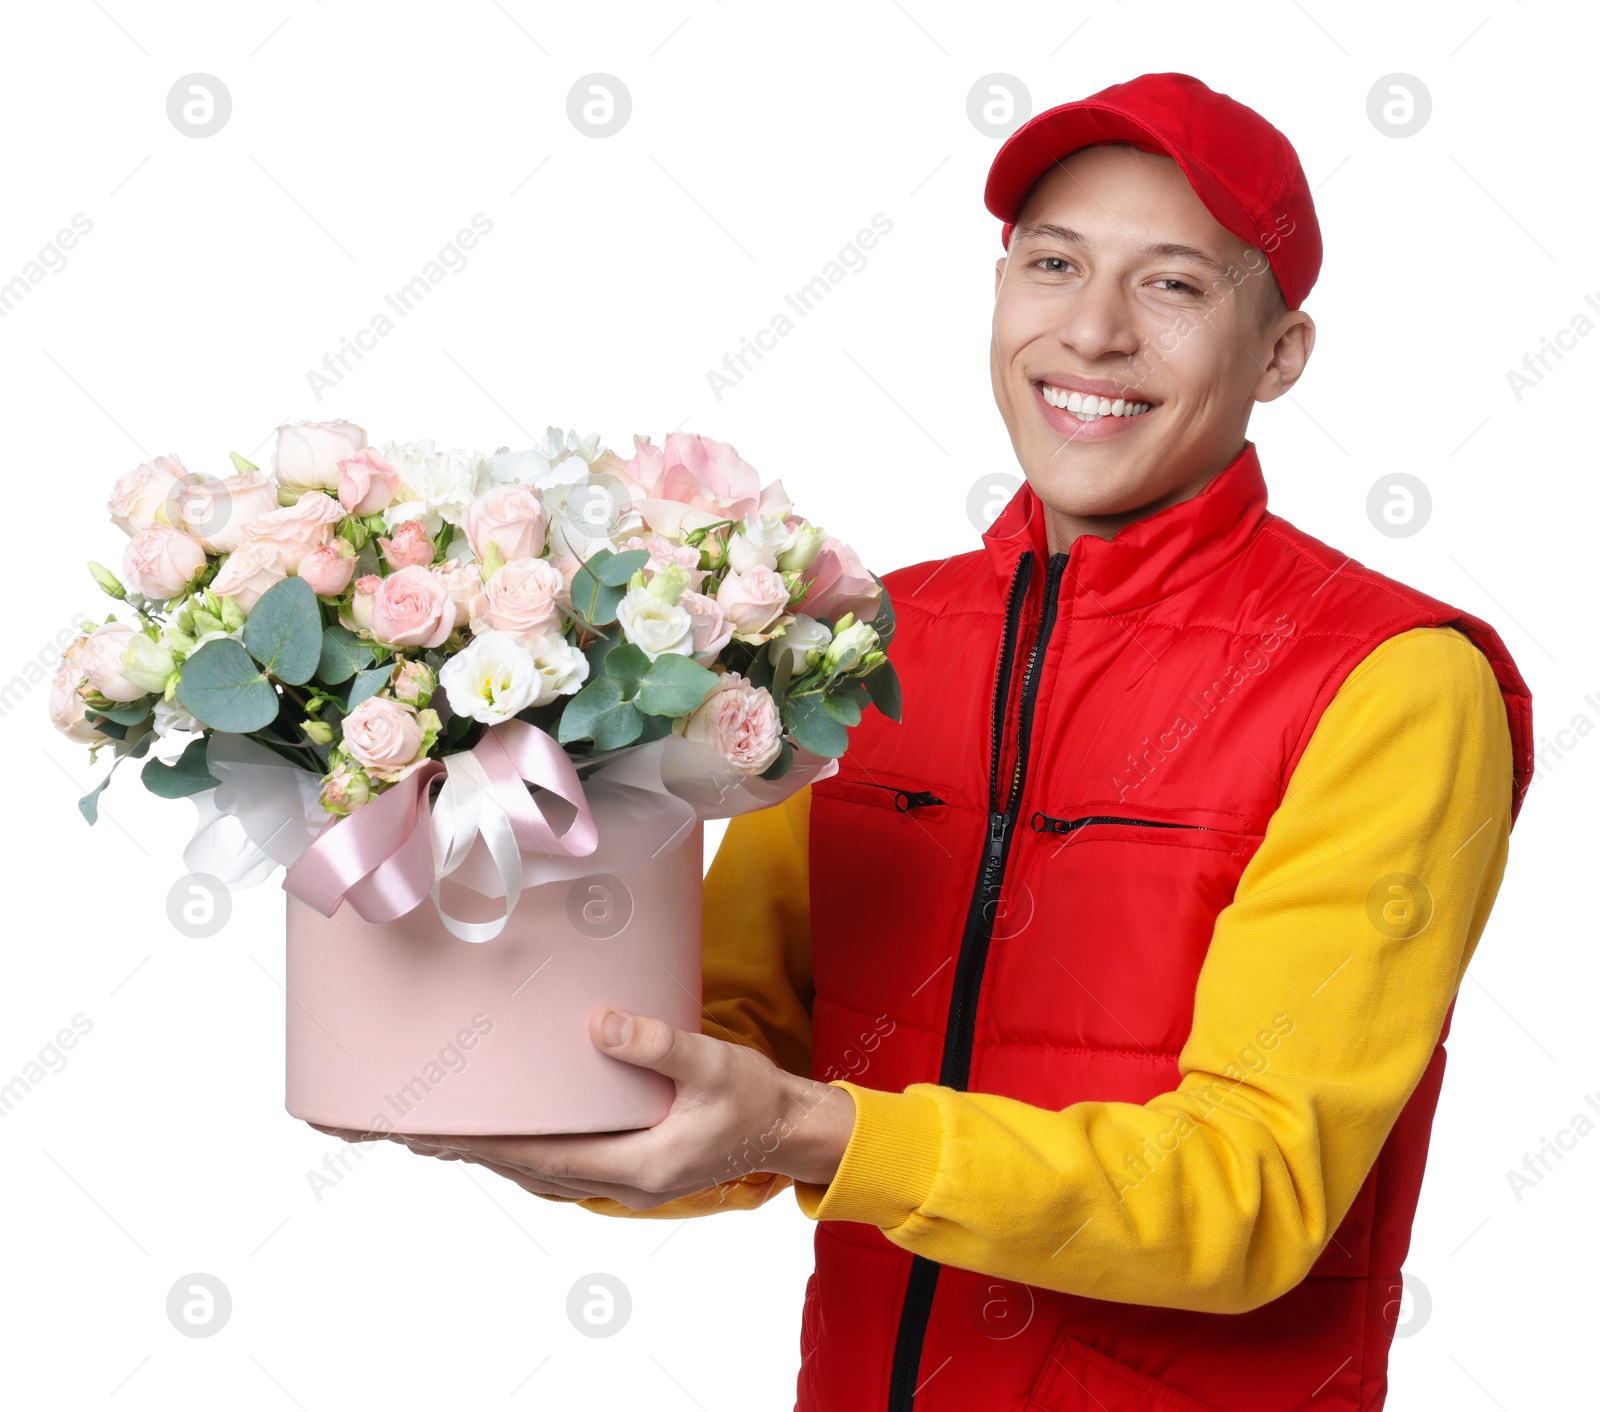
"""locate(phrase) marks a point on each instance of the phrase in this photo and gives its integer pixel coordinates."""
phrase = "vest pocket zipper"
(905, 800)
(1046, 823)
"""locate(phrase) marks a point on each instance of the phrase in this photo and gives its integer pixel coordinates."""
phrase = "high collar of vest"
(1149, 559)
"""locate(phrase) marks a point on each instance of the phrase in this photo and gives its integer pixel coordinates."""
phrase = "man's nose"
(1096, 321)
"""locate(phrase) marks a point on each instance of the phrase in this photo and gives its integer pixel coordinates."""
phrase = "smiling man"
(1096, 1012)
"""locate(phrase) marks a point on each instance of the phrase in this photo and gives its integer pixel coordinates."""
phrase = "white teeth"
(1089, 408)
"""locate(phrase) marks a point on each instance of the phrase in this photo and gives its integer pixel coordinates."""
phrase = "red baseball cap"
(1239, 165)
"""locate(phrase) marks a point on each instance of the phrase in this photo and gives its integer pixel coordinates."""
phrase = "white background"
(618, 271)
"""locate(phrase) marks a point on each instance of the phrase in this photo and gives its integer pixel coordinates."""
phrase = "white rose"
(562, 667)
(653, 625)
(435, 486)
(800, 636)
(307, 454)
(758, 541)
(491, 679)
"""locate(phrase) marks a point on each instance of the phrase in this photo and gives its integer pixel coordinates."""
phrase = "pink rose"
(520, 599)
(384, 737)
(753, 599)
(712, 629)
(691, 481)
(96, 660)
(411, 545)
(740, 722)
(66, 705)
(509, 516)
(367, 483)
(139, 493)
(328, 568)
(412, 609)
(307, 455)
(295, 530)
(836, 583)
(463, 581)
(217, 512)
(367, 587)
(159, 561)
(249, 572)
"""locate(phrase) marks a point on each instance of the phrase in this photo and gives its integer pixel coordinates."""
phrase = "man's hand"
(735, 1112)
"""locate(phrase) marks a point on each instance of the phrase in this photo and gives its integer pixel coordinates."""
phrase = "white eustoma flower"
(759, 540)
(562, 458)
(491, 679)
(653, 625)
(435, 486)
(798, 637)
(168, 716)
(562, 667)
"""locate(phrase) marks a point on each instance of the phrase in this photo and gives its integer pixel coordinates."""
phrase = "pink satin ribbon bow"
(383, 858)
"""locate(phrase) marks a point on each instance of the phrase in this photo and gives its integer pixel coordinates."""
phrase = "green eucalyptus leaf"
(184, 776)
(883, 620)
(674, 685)
(883, 686)
(89, 805)
(807, 720)
(843, 706)
(367, 683)
(222, 688)
(127, 713)
(343, 655)
(619, 568)
(284, 631)
(599, 713)
(598, 650)
(626, 665)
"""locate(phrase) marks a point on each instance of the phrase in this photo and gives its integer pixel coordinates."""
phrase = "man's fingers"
(650, 1043)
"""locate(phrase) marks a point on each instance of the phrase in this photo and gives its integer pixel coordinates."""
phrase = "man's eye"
(1051, 260)
(1182, 287)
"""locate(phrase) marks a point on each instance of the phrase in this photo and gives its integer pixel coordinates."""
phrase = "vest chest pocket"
(914, 798)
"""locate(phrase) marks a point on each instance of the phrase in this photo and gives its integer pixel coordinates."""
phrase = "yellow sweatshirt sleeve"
(756, 973)
(1317, 1008)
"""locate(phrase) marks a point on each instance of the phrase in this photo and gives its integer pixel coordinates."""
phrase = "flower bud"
(668, 583)
(147, 664)
(807, 544)
(318, 732)
(107, 580)
(849, 646)
(345, 789)
(414, 683)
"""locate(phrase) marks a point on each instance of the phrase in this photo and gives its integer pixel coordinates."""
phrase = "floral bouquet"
(586, 656)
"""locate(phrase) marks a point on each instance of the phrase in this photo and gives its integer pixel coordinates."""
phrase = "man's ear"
(999, 274)
(1287, 358)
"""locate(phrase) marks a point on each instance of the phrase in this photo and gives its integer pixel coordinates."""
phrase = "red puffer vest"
(1171, 676)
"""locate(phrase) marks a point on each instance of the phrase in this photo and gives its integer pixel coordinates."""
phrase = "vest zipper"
(1045, 823)
(959, 1024)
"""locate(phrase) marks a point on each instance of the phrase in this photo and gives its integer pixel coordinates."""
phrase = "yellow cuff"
(889, 1163)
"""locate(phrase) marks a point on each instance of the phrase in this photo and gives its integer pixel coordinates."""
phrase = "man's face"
(1120, 286)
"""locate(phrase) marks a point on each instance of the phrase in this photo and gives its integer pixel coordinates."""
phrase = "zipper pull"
(998, 824)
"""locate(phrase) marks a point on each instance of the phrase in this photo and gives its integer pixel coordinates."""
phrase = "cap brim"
(1051, 137)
